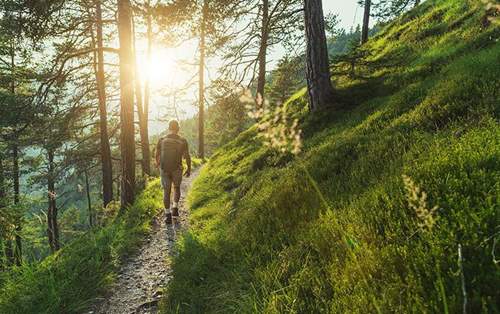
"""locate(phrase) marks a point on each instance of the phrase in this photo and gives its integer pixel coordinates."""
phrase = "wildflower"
(417, 200)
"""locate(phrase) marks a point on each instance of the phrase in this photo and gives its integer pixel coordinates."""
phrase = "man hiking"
(169, 152)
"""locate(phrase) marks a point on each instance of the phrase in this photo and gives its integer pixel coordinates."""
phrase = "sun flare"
(163, 70)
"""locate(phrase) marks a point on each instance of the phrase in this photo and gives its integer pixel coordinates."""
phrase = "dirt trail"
(142, 277)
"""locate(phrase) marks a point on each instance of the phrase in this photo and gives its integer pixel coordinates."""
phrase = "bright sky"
(173, 68)
(348, 10)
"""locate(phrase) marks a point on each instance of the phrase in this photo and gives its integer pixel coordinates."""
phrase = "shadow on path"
(139, 283)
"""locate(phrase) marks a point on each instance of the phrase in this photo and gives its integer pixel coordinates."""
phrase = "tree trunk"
(107, 165)
(118, 186)
(147, 91)
(201, 87)
(264, 37)
(127, 140)
(366, 22)
(318, 72)
(18, 251)
(7, 249)
(143, 123)
(89, 200)
(3, 193)
(53, 229)
(2, 254)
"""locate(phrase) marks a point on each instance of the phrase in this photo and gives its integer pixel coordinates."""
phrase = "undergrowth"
(419, 118)
(70, 280)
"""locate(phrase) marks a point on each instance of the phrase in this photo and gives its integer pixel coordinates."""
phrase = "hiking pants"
(167, 179)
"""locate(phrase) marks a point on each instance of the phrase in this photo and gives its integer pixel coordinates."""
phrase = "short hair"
(173, 125)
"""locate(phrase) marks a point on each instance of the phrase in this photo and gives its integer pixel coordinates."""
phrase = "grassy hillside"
(426, 106)
(68, 281)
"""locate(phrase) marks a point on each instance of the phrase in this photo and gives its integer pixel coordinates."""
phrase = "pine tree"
(105, 150)
(366, 21)
(206, 20)
(319, 84)
(275, 22)
(127, 136)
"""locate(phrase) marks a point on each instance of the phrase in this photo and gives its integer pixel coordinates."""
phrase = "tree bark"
(89, 200)
(201, 82)
(118, 186)
(127, 140)
(319, 83)
(7, 249)
(3, 193)
(143, 123)
(264, 38)
(147, 88)
(366, 22)
(18, 251)
(106, 163)
(53, 229)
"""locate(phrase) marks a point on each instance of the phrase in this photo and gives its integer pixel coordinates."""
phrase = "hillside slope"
(425, 106)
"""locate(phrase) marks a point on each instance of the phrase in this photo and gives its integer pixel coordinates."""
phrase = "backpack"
(171, 154)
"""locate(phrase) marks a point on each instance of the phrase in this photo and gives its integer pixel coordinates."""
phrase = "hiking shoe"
(168, 219)
(175, 212)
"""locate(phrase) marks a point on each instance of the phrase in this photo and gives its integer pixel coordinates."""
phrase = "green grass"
(67, 282)
(263, 241)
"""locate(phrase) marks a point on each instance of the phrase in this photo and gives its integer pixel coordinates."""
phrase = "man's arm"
(158, 152)
(187, 156)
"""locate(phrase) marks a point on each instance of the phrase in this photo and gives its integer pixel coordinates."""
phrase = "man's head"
(173, 126)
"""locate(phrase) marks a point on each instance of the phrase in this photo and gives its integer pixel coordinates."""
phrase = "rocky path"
(142, 277)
